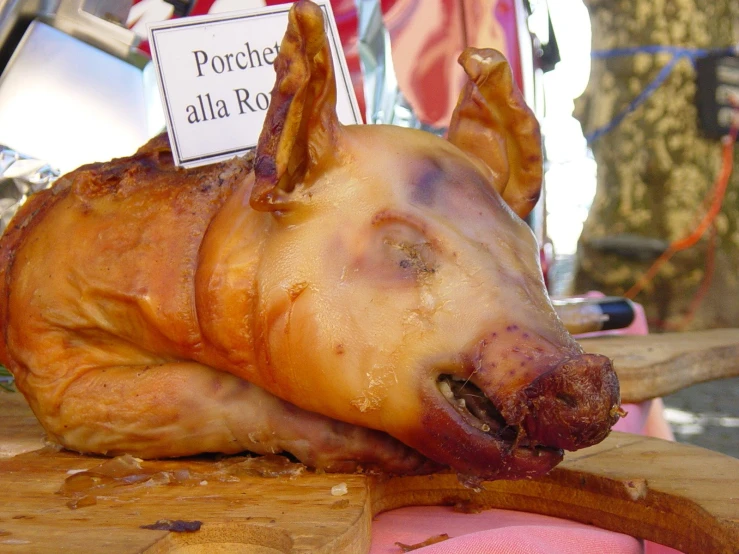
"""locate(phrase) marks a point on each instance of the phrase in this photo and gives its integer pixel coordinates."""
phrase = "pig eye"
(410, 256)
(400, 251)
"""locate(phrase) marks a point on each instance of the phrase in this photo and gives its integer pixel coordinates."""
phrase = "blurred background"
(635, 99)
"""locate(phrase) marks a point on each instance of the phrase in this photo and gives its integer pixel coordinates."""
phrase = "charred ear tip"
(305, 7)
(482, 56)
(467, 61)
(307, 14)
(465, 55)
(306, 19)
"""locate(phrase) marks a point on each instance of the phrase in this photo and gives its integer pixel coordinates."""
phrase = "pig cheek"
(323, 354)
(387, 320)
(296, 359)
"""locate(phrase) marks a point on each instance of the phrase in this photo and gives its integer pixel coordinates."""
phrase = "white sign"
(216, 75)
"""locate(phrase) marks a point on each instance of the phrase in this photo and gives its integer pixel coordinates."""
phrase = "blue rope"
(657, 49)
(678, 53)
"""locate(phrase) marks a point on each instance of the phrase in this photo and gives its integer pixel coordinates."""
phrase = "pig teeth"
(446, 390)
(478, 415)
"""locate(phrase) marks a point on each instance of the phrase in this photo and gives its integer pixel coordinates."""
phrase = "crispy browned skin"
(362, 283)
(114, 330)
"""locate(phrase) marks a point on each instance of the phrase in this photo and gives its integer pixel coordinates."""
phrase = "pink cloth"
(508, 532)
(492, 532)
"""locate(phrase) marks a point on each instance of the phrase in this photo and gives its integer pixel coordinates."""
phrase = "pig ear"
(493, 122)
(301, 125)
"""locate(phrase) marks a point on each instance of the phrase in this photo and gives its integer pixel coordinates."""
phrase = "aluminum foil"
(384, 101)
(20, 176)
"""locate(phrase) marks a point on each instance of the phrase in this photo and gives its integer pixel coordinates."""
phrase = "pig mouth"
(475, 408)
(571, 404)
(515, 428)
(478, 411)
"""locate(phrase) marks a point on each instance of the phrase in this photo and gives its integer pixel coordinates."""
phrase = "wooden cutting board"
(651, 366)
(682, 496)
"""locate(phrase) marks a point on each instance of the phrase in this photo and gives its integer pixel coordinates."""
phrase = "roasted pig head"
(408, 295)
(371, 281)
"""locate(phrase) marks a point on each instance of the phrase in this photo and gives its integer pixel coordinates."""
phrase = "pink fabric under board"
(509, 532)
(492, 532)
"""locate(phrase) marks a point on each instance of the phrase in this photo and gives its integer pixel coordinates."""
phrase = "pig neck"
(225, 282)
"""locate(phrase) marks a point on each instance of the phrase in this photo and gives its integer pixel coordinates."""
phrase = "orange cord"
(722, 182)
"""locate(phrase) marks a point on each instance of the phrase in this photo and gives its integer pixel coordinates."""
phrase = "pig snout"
(523, 399)
(549, 391)
(574, 405)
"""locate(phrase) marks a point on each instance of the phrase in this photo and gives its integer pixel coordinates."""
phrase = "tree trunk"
(655, 169)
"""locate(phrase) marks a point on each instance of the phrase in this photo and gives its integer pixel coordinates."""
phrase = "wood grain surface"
(651, 366)
(679, 495)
